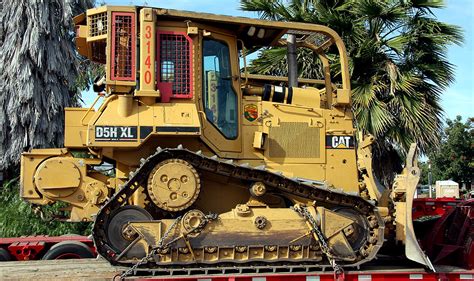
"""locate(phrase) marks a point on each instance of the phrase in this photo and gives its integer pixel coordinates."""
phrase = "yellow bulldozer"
(211, 165)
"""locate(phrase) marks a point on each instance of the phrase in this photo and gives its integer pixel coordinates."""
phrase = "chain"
(146, 258)
(160, 245)
(167, 233)
(207, 218)
(303, 211)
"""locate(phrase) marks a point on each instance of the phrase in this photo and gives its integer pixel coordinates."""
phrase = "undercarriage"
(283, 221)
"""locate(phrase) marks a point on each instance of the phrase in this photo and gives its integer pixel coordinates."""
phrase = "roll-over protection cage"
(124, 24)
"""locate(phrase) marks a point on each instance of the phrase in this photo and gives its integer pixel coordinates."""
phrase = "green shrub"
(18, 218)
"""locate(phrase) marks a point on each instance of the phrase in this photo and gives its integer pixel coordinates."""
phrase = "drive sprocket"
(173, 185)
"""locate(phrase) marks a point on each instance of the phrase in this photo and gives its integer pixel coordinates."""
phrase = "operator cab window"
(220, 99)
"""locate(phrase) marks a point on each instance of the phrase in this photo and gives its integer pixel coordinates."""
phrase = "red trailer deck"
(46, 248)
(377, 275)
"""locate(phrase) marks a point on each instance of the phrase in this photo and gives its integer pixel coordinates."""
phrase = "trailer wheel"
(5, 255)
(68, 250)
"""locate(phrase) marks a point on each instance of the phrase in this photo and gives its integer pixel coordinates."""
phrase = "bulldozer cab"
(187, 57)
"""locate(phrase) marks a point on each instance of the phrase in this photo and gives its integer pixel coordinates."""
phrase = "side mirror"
(99, 84)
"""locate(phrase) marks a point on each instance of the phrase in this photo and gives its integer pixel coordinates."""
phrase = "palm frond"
(428, 4)
(266, 9)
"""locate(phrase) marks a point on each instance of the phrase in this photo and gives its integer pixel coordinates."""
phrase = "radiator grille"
(175, 60)
(294, 140)
(123, 46)
(98, 24)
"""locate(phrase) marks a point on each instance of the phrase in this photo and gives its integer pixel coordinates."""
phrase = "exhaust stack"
(292, 63)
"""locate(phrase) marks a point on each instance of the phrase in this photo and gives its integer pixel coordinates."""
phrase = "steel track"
(318, 193)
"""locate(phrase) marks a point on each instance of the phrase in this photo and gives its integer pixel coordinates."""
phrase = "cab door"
(220, 102)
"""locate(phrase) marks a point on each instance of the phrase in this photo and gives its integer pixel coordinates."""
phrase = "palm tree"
(38, 70)
(398, 64)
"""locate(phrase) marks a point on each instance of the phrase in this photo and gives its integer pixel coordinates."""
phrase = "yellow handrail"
(90, 108)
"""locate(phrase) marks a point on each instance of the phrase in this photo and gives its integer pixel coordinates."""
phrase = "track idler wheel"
(358, 232)
(173, 185)
(117, 235)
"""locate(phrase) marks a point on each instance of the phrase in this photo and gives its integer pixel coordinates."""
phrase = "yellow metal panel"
(342, 160)
(310, 97)
(97, 10)
(78, 116)
(29, 163)
(182, 114)
(147, 54)
(75, 134)
(343, 97)
(259, 140)
(48, 182)
(45, 152)
(75, 137)
(109, 116)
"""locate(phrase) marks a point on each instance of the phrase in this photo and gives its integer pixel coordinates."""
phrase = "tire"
(5, 255)
(68, 250)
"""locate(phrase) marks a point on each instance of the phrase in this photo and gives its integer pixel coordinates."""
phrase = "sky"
(458, 99)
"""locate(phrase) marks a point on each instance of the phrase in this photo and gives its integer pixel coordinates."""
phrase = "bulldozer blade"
(413, 250)
(403, 194)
